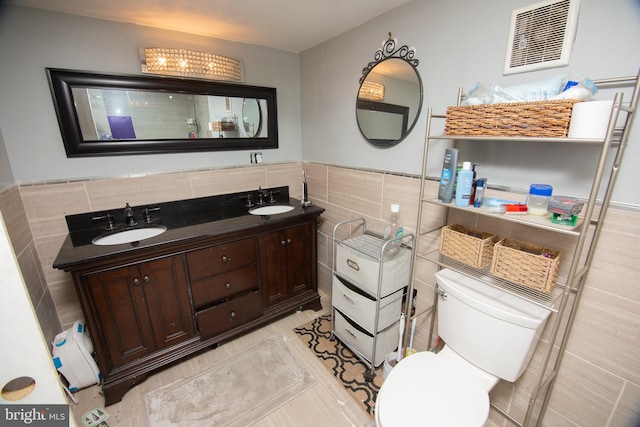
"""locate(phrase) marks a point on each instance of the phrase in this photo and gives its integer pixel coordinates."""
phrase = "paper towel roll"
(590, 119)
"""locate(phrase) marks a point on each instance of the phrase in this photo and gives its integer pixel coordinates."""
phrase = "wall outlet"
(256, 158)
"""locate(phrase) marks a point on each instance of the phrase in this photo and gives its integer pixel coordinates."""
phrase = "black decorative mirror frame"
(91, 125)
(394, 71)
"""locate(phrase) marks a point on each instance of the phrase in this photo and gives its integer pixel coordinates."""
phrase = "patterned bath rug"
(234, 392)
(341, 361)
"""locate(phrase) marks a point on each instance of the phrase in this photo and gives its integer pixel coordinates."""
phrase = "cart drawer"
(362, 341)
(361, 308)
(361, 266)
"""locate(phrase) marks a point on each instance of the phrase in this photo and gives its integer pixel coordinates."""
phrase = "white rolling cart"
(371, 285)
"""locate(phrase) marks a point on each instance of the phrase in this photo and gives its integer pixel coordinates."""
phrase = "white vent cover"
(541, 35)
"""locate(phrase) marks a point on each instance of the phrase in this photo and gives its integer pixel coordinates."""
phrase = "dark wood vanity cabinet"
(153, 306)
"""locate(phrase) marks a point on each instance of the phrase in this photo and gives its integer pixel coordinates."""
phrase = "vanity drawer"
(361, 308)
(225, 285)
(221, 258)
(229, 315)
(362, 342)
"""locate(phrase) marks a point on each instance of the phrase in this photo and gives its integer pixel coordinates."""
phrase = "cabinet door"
(285, 263)
(298, 259)
(142, 308)
(123, 319)
(167, 299)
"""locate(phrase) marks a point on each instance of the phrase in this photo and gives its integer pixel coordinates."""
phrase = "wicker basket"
(533, 119)
(467, 245)
(524, 264)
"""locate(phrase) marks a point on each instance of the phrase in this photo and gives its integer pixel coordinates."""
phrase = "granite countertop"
(185, 220)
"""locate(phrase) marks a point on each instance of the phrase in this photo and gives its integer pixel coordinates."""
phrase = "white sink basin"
(128, 236)
(271, 210)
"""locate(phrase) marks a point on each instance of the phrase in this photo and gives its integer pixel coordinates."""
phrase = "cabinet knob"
(285, 242)
(136, 282)
(225, 258)
(227, 285)
(146, 279)
(233, 315)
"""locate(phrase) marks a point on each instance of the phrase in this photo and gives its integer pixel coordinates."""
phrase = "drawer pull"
(348, 299)
(227, 285)
(352, 334)
(354, 265)
(233, 315)
(225, 259)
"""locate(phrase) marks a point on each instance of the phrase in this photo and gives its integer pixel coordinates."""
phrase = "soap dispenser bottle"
(464, 185)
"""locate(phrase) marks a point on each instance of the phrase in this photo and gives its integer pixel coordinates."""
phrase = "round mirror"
(251, 117)
(390, 95)
(389, 102)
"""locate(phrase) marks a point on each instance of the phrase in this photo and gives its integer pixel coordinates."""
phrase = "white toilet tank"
(492, 329)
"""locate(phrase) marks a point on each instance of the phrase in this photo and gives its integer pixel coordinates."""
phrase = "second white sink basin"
(128, 236)
(271, 210)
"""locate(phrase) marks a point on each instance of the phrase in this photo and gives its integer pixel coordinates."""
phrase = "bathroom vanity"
(217, 271)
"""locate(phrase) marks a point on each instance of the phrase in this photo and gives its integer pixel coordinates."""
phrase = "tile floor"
(325, 403)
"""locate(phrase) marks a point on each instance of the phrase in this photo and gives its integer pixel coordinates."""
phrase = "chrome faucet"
(128, 214)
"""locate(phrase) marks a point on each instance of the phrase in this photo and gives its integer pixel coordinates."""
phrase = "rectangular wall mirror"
(107, 115)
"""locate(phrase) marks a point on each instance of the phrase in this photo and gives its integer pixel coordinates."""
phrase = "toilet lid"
(424, 390)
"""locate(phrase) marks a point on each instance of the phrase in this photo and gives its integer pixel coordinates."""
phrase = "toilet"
(489, 335)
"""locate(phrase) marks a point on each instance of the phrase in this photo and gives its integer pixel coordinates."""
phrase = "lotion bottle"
(464, 185)
(448, 177)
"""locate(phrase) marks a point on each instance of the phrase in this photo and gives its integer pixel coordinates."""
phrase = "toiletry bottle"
(448, 177)
(473, 184)
(464, 184)
(393, 229)
(481, 184)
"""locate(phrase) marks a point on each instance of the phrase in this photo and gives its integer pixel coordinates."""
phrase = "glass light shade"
(372, 91)
(187, 63)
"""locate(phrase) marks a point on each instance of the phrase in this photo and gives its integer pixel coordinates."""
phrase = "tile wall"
(25, 250)
(599, 383)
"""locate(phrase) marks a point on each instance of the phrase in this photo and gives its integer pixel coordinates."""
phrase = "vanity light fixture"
(188, 63)
(372, 91)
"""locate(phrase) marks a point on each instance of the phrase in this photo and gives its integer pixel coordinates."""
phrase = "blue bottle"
(448, 177)
(464, 184)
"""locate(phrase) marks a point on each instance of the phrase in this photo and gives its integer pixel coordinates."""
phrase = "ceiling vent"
(541, 36)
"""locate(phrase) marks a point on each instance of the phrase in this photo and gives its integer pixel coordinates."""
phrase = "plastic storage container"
(538, 199)
(72, 357)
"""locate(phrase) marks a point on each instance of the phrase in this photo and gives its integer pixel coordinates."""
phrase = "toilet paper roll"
(590, 119)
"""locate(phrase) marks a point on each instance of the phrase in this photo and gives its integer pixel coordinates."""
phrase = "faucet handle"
(146, 213)
(111, 225)
(249, 197)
